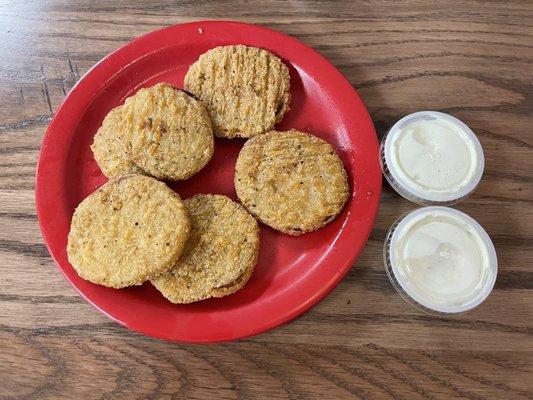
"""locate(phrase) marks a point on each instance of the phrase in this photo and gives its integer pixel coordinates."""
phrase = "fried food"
(160, 130)
(245, 89)
(109, 147)
(220, 255)
(130, 229)
(292, 181)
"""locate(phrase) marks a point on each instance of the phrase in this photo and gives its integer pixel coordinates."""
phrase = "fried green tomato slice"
(129, 230)
(245, 89)
(291, 181)
(220, 255)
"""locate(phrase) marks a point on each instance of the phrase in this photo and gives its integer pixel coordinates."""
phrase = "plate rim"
(343, 266)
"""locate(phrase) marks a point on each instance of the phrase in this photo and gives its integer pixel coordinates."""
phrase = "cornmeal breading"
(109, 147)
(162, 130)
(132, 228)
(291, 181)
(245, 89)
(220, 255)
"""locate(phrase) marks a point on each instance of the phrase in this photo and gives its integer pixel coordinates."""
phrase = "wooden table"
(471, 59)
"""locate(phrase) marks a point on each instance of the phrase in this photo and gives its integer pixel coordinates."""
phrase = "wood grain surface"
(472, 59)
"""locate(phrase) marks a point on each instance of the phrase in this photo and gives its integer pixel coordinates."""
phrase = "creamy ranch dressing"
(442, 259)
(433, 157)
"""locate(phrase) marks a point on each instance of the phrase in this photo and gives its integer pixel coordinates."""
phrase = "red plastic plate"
(293, 273)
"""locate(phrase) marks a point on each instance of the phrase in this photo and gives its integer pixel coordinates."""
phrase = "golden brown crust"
(220, 255)
(161, 131)
(291, 181)
(109, 147)
(245, 89)
(170, 134)
(130, 229)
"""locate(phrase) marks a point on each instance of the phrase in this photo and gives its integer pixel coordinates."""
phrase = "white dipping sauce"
(442, 259)
(432, 158)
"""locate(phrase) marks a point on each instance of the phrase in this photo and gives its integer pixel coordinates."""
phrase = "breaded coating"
(292, 181)
(130, 229)
(170, 132)
(109, 147)
(160, 130)
(220, 255)
(245, 89)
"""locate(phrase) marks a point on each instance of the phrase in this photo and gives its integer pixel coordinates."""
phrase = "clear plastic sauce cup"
(440, 260)
(432, 158)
